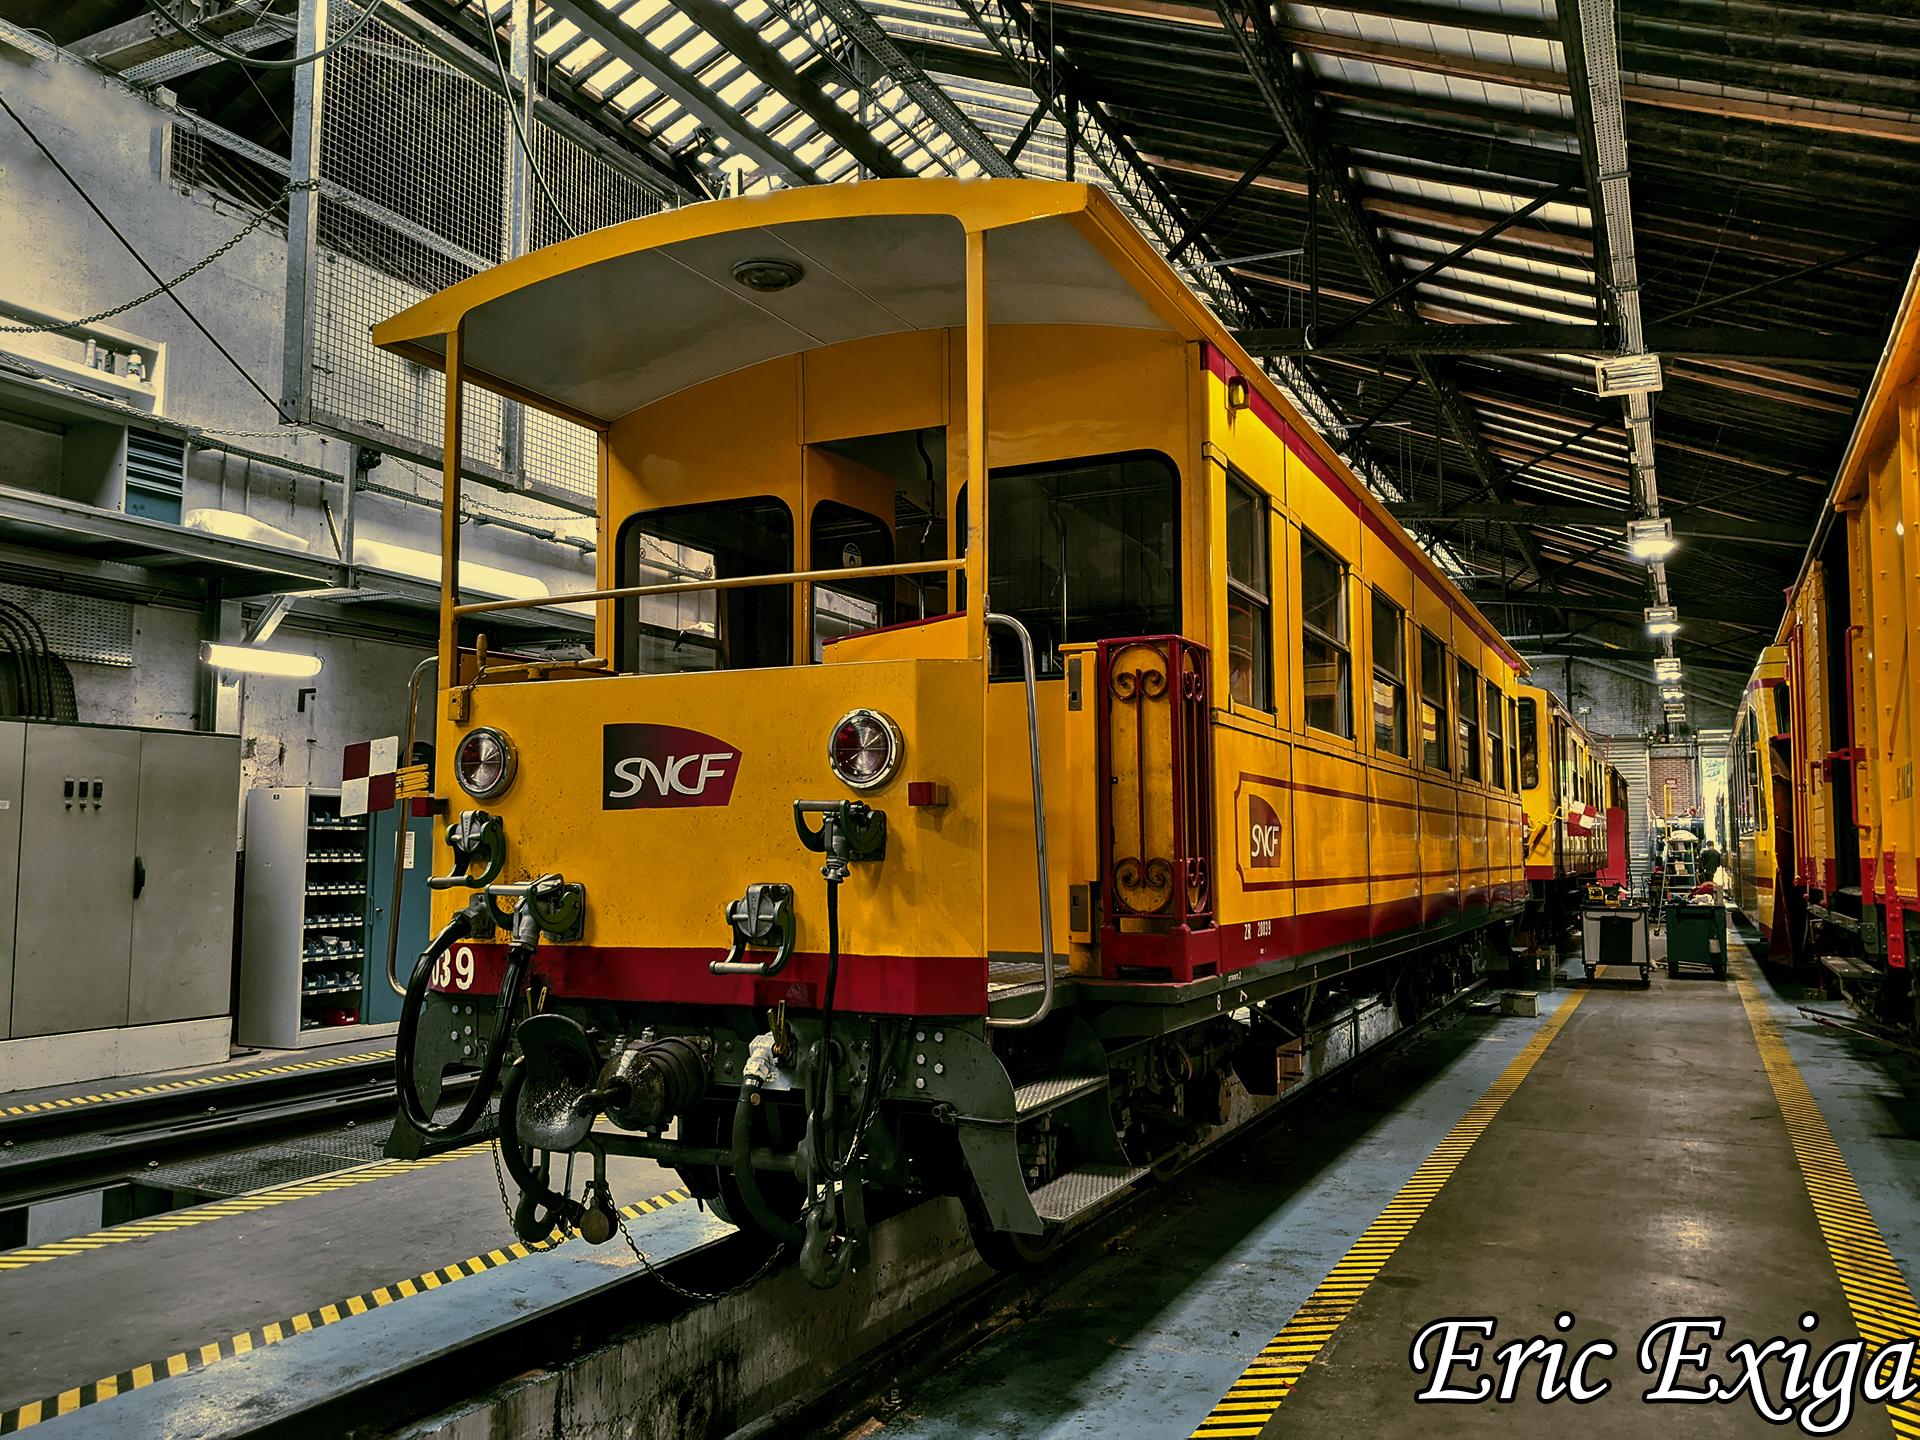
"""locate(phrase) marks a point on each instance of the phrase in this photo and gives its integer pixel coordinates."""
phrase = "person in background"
(1710, 862)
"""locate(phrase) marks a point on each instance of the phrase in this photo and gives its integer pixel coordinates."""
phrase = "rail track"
(62, 1150)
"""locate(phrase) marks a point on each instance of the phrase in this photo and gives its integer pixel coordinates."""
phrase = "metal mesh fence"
(416, 163)
(79, 627)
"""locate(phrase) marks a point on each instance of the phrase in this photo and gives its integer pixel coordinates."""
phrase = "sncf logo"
(1263, 835)
(646, 767)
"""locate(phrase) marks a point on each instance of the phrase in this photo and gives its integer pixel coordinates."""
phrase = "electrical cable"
(513, 114)
(152, 274)
(239, 57)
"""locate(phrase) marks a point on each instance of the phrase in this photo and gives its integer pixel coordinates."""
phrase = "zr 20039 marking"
(455, 970)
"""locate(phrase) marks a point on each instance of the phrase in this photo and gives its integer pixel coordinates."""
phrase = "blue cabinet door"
(382, 1005)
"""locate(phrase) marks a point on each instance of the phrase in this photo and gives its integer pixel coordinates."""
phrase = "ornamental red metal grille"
(1156, 800)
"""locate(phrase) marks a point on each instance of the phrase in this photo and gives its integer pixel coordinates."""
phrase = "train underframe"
(805, 1127)
(1848, 945)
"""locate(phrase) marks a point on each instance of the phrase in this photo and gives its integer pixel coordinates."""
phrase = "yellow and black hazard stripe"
(1882, 1304)
(185, 1362)
(136, 1230)
(192, 1082)
(1253, 1399)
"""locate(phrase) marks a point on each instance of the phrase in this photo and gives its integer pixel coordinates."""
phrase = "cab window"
(745, 629)
(1529, 743)
(845, 539)
(1324, 659)
(1433, 702)
(1249, 602)
(1082, 550)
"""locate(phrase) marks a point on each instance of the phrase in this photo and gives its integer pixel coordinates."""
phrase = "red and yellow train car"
(1010, 722)
(1570, 793)
(1825, 741)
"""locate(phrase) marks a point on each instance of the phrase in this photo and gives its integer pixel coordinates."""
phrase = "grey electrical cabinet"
(122, 914)
(13, 754)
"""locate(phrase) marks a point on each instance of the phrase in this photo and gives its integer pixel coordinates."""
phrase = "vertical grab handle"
(1020, 633)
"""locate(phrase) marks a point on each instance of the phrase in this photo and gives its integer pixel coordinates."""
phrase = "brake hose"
(411, 1106)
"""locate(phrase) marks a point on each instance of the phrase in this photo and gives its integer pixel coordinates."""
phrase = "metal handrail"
(1039, 830)
(732, 582)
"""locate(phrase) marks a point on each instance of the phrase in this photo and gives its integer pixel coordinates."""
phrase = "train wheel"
(1002, 1249)
(1005, 1251)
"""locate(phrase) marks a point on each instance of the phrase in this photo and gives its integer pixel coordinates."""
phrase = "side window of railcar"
(1529, 729)
(743, 629)
(1249, 598)
(1325, 662)
(1079, 550)
(1389, 677)
(1514, 779)
(1513, 744)
(1469, 721)
(1496, 737)
(1433, 702)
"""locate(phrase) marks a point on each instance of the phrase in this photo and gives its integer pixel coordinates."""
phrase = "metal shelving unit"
(303, 966)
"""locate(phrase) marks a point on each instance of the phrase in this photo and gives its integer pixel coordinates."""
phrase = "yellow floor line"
(1253, 1399)
(1883, 1306)
(137, 1230)
(227, 1347)
(194, 1082)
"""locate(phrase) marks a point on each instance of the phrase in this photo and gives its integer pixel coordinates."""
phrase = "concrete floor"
(1641, 1172)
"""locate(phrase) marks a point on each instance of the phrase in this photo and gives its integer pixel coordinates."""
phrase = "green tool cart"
(1697, 935)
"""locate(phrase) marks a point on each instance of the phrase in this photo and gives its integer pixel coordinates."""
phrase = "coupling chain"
(694, 1297)
(259, 219)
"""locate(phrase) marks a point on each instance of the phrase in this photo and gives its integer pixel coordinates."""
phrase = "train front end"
(731, 897)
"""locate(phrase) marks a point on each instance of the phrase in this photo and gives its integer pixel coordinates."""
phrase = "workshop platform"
(178, 1324)
(1621, 1159)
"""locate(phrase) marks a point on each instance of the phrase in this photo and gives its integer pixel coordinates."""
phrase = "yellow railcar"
(1759, 804)
(1010, 723)
(1567, 791)
(1839, 689)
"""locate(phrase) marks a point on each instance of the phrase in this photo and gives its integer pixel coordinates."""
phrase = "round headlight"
(484, 763)
(865, 749)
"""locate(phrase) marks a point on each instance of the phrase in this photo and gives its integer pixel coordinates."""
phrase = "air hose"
(416, 1112)
(763, 1214)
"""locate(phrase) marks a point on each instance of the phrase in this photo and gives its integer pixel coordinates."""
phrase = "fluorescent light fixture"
(1667, 669)
(252, 660)
(1662, 620)
(1650, 540)
(1627, 374)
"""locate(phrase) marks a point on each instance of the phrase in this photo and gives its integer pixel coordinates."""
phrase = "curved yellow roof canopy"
(596, 327)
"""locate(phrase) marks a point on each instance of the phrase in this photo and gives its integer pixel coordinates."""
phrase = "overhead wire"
(519, 130)
(240, 57)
